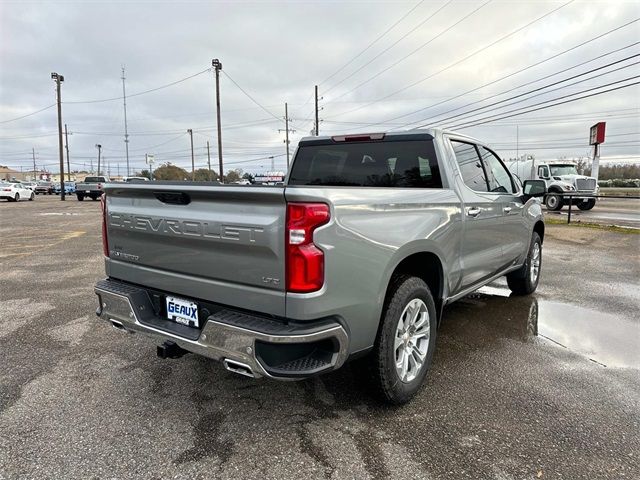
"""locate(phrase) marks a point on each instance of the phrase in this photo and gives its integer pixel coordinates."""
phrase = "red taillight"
(105, 242)
(305, 261)
(99, 186)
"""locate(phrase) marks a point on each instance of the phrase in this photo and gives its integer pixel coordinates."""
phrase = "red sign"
(596, 134)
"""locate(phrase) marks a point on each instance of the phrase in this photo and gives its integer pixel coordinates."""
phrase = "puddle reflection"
(489, 314)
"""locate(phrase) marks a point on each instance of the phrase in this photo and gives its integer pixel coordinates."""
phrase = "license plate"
(182, 311)
(87, 191)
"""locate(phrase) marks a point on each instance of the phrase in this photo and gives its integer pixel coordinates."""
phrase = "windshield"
(367, 164)
(559, 170)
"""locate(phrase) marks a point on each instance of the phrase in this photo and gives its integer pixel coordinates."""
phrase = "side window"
(470, 166)
(543, 172)
(497, 173)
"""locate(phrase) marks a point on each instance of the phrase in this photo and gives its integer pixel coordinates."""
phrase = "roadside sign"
(149, 159)
(596, 134)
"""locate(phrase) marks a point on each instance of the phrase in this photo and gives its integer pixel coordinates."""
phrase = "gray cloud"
(277, 51)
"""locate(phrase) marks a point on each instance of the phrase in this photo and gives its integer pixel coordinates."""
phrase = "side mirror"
(534, 188)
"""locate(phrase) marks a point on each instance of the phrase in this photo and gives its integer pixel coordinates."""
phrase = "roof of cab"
(427, 133)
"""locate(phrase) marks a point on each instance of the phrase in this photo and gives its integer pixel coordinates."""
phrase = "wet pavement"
(545, 386)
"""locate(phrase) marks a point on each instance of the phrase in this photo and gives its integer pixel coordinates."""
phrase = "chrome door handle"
(507, 209)
(474, 211)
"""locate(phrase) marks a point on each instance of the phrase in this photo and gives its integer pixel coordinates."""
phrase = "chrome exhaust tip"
(237, 367)
(118, 325)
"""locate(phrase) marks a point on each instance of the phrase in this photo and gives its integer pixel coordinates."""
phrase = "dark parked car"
(45, 188)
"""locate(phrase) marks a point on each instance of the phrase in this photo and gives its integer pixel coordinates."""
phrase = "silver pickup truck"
(92, 187)
(354, 257)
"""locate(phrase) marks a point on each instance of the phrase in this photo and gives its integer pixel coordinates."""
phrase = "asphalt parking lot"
(546, 386)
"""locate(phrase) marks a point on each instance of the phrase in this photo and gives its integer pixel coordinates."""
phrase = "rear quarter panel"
(371, 231)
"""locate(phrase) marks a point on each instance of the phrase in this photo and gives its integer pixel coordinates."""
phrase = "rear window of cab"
(400, 164)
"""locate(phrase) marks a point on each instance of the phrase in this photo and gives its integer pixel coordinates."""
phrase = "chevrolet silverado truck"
(92, 187)
(353, 258)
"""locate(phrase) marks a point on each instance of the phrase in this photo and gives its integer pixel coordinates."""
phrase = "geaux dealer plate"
(182, 311)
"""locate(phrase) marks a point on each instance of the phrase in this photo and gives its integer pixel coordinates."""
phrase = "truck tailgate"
(223, 244)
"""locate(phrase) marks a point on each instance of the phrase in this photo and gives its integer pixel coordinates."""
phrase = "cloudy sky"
(473, 65)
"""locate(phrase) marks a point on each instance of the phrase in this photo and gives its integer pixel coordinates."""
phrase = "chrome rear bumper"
(268, 348)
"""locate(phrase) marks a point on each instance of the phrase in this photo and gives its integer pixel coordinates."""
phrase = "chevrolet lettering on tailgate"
(190, 228)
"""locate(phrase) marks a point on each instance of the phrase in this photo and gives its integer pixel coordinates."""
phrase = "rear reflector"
(305, 261)
(364, 137)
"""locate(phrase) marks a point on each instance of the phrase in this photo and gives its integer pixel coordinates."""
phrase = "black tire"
(80, 197)
(524, 281)
(32, 197)
(588, 205)
(553, 201)
(17, 198)
(94, 198)
(382, 365)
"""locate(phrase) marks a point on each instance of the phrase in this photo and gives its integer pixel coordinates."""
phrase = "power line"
(143, 92)
(538, 89)
(379, 54)
(379, 37)
(469, 56)
(480, 121)
(250, 97)
(29, 114)
(450, 27)
(515, 73)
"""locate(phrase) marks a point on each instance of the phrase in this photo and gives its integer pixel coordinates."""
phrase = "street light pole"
(59, 79)
(193, 163)
(99, 147)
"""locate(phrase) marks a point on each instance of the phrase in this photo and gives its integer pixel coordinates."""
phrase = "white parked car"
(15, 192)
(30, 185)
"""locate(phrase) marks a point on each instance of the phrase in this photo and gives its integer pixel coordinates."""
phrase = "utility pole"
(66, 144)
(126, 132)
(317, 122)
(286, 130)
(217, 66)
(99, 147)
(35, 175)
(193, 163)
(209, 160)
(59, 79)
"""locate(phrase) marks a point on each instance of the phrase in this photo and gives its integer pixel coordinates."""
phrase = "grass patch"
(622, 191)
(597, 226)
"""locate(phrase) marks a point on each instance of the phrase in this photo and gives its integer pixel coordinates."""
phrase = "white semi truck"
(561, 178)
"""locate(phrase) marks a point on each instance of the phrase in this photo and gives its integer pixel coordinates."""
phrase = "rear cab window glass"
(389, 163)
(94, 180)
(470, 166)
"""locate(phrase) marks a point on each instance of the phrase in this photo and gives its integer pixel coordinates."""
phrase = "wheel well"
(428, 267)
(555, 189)
(539, 229)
